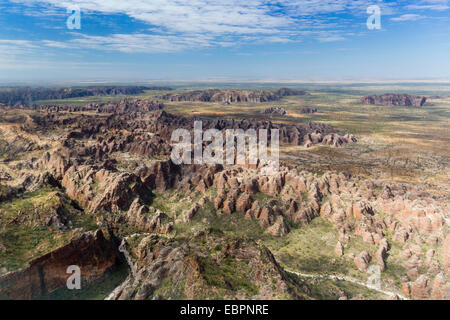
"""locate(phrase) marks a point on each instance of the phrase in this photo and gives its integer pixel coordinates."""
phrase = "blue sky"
(138, 40)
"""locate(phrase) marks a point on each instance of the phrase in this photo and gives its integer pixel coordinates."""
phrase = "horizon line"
(229, 81)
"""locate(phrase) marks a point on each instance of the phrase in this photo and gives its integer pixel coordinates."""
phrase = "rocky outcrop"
(187, 215)
(232, 96)
(99, 189)
(380, 257)
(441, 288)
(26, 95)
(362, 261)
(404, 100)
(116, 107)
(196, 274)
(446, 255)
(332, 139)
(339, 249)
(308, 110)
(145, 219)
(243, 203)
(279, 228)
(421, 288)
(275, 111)
(53, 209)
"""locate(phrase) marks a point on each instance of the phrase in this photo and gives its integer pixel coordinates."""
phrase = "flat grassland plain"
(395, 145)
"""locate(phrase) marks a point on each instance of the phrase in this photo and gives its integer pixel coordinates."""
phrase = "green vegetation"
(172, 202)
(29, 237)
(229, 274)
(229, 224)
(26, 243)
(44, 198)
(170, 289)
(310, 249)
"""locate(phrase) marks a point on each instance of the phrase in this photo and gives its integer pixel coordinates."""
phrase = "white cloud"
(219, 17)
(175, 25)
(438, 5)
(331, 38)
(56, 44)
(17, 47)
(17, 43)
(144, 43)
(194, 16)
(408, 17)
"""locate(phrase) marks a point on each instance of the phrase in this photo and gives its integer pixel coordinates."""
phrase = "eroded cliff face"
(92, 252)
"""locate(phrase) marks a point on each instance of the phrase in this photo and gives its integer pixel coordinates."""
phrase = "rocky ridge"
(390, 99)
(232, 96)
